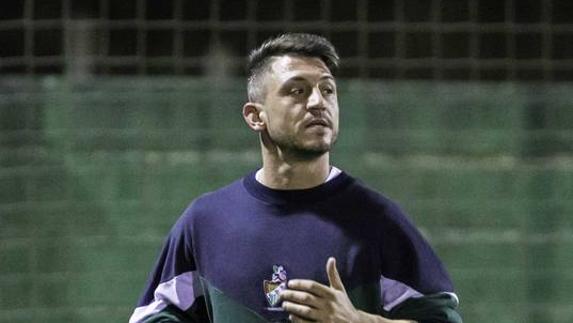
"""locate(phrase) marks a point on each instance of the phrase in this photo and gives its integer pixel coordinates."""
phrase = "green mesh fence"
(93, 173)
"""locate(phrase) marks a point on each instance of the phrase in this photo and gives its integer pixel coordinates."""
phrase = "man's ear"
(252, 115)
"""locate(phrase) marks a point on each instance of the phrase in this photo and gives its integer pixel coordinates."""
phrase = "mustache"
(318, 121)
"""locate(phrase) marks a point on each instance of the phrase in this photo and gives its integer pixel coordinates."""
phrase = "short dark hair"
(307, 45)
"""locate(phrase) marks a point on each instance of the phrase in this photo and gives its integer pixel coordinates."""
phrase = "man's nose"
(315, 100)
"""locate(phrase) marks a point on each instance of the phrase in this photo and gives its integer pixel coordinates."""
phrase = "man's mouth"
(318, 123)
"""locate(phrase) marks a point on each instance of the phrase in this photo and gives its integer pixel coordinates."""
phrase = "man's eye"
(328, 90)
(297, 91)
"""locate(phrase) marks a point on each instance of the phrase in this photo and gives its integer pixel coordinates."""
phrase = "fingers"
(309, 301)
(333, 275)
(303, 312)
(300, 297)
(298, 319)
(310, 286)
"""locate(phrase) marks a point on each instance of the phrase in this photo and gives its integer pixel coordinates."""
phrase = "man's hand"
(310, 301)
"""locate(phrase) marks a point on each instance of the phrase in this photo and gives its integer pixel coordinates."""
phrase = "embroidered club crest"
(274, 287)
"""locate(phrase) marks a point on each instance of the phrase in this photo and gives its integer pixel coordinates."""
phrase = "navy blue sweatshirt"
(233, 250)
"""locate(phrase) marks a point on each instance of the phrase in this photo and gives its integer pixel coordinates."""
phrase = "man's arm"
(172, 314)
(371, 318)
(174, 292)
(308, 301)
(435, 308)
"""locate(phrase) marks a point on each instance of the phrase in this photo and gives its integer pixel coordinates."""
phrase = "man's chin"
(309, 152)
(306, 150)
(322, 146)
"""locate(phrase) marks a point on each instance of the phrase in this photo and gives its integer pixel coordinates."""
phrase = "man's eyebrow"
(301, 78)
(295, 79)
(327, 76)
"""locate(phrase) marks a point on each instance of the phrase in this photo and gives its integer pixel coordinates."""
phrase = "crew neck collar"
(314, 194)
(334, 171)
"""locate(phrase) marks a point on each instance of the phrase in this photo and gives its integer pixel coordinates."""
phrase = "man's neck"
(283, 174)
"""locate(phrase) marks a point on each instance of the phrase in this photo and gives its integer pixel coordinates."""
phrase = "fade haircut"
(307, 45)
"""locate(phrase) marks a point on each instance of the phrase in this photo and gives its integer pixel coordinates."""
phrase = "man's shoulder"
(368, 201)
(369, 196)
(229, 190)
(215, 198)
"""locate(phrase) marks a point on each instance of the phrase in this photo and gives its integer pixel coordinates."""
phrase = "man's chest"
(245, 259)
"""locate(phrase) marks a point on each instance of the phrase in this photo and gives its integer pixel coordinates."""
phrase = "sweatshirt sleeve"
(435, 308)
(414, 283)
(173, 292)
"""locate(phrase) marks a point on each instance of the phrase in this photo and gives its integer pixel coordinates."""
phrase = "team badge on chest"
(274, 287)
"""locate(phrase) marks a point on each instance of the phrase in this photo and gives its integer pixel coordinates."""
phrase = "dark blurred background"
(393, 40)
(114, 115)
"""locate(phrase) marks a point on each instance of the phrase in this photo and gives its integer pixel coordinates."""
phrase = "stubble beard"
(300, 151)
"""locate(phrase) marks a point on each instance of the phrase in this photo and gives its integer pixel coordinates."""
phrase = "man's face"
(300, 109)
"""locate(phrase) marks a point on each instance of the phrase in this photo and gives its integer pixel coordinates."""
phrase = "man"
(298, 240)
